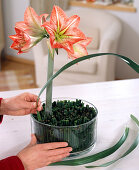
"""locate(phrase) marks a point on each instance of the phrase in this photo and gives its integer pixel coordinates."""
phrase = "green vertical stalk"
(48, 106)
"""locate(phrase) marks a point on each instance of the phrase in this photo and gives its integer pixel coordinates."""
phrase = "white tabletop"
(115, 101)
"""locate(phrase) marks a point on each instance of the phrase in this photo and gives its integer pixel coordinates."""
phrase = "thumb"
(33, 140)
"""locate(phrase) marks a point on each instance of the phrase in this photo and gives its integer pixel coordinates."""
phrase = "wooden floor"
(12, 65)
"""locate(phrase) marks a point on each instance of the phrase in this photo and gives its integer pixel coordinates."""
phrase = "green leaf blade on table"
(96, 156)
(135, 120)
(131, 148)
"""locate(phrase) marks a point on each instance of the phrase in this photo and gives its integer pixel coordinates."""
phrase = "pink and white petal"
(32, 23)
(58, 16)
(27, 38)
(26, 47)
(15, 45)
(79, 51)
(86, 41)
(72, 22)
(31, 18)
(18, 31)
(13, 37)
(21, 41)
(67, 46)
(21, 25)
(49, 28)
(75, 32)
(28, 29)
(75, 35)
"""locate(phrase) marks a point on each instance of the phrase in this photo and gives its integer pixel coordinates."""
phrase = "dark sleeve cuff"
(11, 163)
(1, 116)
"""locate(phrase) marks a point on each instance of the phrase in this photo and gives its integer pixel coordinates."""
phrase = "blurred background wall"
(13, 11)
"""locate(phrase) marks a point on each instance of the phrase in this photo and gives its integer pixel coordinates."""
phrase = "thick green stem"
(48, 106)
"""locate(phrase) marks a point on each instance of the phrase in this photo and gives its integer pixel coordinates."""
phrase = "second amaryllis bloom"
(22, 42)
(32, 23)
(29, 32)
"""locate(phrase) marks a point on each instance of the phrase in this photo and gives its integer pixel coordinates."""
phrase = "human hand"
(22, 104)
(39, 155)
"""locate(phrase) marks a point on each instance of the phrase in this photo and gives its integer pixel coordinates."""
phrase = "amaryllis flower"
(80, 49)
(29, 32)
(32, 23)
(63, 31)
(22, 42)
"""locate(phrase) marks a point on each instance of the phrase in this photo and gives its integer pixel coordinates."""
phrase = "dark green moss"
(67, 113)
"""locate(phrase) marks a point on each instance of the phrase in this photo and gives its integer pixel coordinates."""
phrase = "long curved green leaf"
(132, 147)
(96, 156)
(131, 63)
(135, 119)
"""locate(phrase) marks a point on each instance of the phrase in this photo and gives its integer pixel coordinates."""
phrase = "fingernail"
(70, 149)
(65, 144)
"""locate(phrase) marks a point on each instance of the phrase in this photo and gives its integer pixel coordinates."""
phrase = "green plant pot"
(81, 137)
